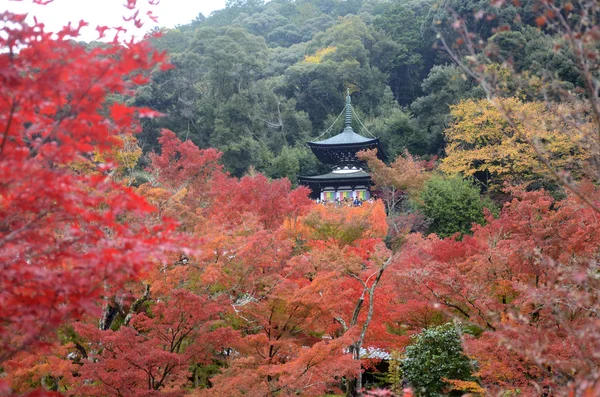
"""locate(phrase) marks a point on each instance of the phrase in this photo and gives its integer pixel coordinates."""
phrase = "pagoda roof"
(344, 148)
(341, 149)
(346, 137)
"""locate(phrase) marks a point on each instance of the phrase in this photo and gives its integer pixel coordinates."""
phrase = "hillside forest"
(154, 240)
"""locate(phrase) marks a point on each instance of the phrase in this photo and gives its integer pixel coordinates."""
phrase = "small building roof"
(336, 176)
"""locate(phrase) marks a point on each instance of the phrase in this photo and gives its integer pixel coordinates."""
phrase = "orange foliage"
(406, 173)
(466, 386)
(49, 367)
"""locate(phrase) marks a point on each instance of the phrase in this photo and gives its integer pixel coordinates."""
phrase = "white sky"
(110, 13)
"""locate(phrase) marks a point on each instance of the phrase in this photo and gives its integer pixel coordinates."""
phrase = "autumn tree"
(41, 371)
(396, 183)
(180, 179)
(576, 109)
(68, 234)
(520, 282)
(228, 298)
(303, 292)
(351, 249)
(572, 31)
(483, 144)
(244, 254)
(152, 353)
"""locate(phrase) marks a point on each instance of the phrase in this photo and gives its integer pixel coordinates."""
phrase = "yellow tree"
(482, 143)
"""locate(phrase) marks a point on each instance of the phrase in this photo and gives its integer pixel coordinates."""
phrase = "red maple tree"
(523, 280)
(153, 355)
(67, 232)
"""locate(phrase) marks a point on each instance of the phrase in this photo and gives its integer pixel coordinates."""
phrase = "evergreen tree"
(436, 355)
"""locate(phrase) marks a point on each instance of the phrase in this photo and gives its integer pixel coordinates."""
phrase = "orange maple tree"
(292, 283)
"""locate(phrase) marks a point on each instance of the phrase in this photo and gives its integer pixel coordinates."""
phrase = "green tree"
(444, 86)
(243, 153)
(453, 204)
(234, 60)
(435, 355)
(397, 129)
(281, 58)
(174, 40)
(175, 93)
(315, 25)
(439, 18)
(285, 165)
(540, 56)
(337, 59)
(263, 23)
(401, 51)
(250, 4)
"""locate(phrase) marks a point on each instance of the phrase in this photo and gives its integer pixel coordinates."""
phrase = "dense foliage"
(482, 143)
(257, 80)
(165, 256)
(453, 205)
(68, 232)
(516, 280)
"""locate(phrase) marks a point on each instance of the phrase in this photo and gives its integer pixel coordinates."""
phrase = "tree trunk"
(108, 316)
(355, 348)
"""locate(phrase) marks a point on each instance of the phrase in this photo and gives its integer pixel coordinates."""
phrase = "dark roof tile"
(336, 175)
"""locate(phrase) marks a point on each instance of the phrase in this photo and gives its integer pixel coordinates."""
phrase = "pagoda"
(347, 177)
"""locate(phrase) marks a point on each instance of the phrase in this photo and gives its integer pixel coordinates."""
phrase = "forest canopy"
(274, 75)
